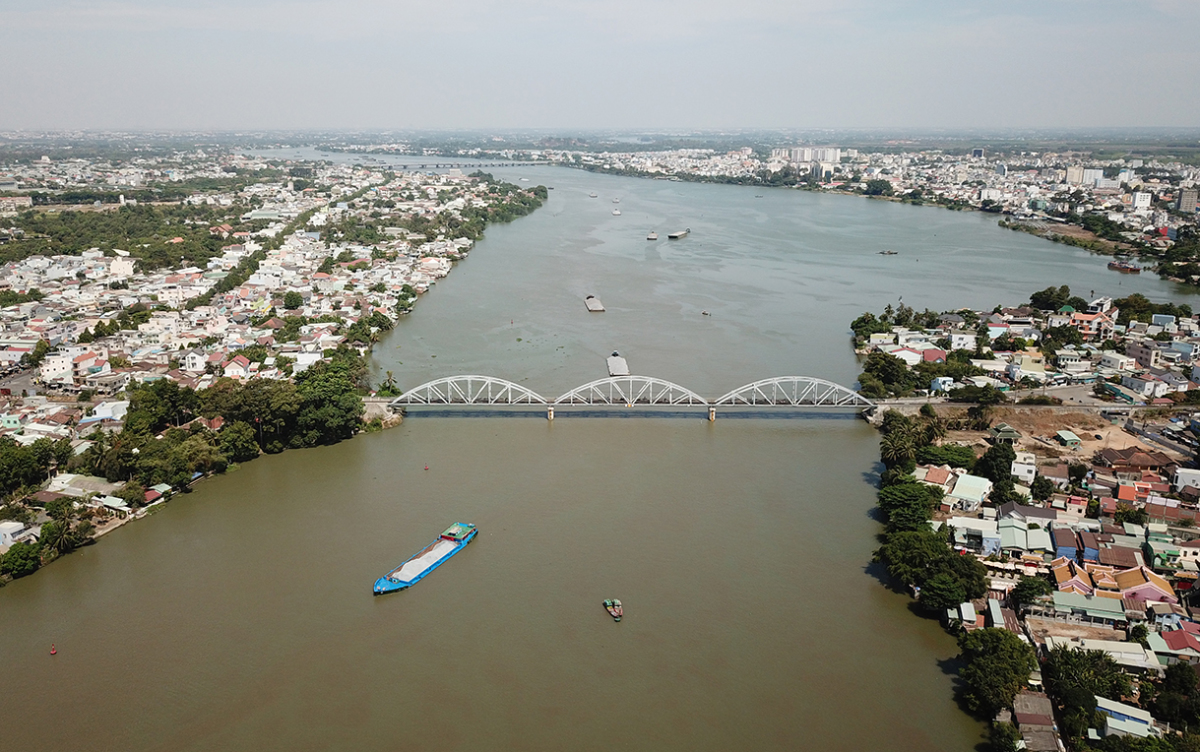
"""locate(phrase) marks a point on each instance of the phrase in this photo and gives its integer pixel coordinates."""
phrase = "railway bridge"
(635, 391)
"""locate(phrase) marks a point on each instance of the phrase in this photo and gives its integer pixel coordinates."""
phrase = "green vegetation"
(954, 455)
(878, 187)
(998, 665)
(143, 230)
(914, 554)
(885, 375)
(1137, 307)
(10, 298)
(322, 407)
(1075, 677)
(1029, 589)
(25, 467)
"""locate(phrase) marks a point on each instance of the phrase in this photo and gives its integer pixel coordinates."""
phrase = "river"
(240, 617)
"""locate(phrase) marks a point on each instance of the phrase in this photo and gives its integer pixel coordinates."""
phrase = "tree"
(20, 560)
(942, 591)
(1042, 488)
(996, 463)
(1139, 634)
(292, 300)
(998, 667)
(909, 504)
(955, 455)
(1133, 515)
(1005, 492)
(912, 557)
(878, 187)
(1003, 737)
(897, 448)
(1091, 671)
(61, 509)
(57, 537)
(238, 443)
(1050, 299)
(1029, 589)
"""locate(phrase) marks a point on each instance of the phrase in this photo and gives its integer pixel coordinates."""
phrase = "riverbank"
(998, 512)
(302, 383)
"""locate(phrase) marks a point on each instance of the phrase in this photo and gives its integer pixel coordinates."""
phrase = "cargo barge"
(454, 539)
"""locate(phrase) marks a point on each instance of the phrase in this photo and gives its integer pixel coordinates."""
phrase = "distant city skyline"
(475, 64)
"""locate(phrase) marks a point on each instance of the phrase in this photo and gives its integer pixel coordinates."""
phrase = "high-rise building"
(1187, 200)
(1141, 201)
(1001, 169)
(1091, 174)
(977, 153)
(1075, 175)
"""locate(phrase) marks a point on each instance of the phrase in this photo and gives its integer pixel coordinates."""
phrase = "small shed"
(1068, 439)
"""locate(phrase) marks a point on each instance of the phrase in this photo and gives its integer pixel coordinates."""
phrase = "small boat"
(454, 539)
(593, 195)
(889, 253)
(616, 200)
(593, 304)
(613, 606)
(616, 212)
(652, 236)
(705, 313)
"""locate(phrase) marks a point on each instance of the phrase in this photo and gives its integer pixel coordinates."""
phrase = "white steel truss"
(795, 391)
(631, 390)
(470, 390)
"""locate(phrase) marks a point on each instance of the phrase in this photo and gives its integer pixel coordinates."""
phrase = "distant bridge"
(630, 391)
(445, 165)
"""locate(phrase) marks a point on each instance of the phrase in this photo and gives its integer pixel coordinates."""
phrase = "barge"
(454, 539)
(678, 234)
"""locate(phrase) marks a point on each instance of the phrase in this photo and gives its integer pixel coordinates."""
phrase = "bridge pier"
(712, 413)
(550, 412)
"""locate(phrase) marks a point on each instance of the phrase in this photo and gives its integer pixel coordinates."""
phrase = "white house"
(1116, 361)
(8, 533)
(1024, 468)
(1146, 387)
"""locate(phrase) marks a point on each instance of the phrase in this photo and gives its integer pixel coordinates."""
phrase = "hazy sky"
(598, 63)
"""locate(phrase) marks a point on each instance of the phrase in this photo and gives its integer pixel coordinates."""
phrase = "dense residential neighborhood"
(128, 374)
(1042, 500)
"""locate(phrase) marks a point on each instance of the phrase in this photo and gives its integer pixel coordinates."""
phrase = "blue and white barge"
(454, 539)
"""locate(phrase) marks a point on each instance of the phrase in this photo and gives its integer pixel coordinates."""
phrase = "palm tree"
(897, 448)
(935, 429)
(57, 536)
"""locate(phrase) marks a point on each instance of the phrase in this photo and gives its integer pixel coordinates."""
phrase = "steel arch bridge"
(615, 391)
(631, 390)
(469, 390)
(795, 391)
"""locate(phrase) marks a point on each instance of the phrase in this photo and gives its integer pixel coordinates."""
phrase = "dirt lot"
(1038, 429)
(1041, 628)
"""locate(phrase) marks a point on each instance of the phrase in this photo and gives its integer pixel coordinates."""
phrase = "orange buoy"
(53, 650)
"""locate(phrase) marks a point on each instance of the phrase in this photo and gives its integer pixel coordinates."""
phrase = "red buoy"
(53, 650)
(427, 466)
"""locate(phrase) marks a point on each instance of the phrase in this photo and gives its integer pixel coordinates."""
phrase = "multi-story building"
(1187, 200)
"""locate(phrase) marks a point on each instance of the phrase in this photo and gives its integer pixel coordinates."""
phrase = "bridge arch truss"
(631, 390)
(469, 390)
(795, 391)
